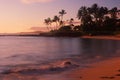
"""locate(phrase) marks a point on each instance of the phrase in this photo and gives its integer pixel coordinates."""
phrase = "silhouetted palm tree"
(84, 15)
(62, 12)
(82, 12)
(101, 14)
(56, 19)
(71, 22)
(95, 11)
(48, 22)
(113, 12)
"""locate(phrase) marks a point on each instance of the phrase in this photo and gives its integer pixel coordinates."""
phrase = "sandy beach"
(104, 70)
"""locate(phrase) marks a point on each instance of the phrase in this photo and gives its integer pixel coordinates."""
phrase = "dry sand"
(105, 70)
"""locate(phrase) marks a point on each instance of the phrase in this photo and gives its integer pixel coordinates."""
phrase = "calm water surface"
(30, 50)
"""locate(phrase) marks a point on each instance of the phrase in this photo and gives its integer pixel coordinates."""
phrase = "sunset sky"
(23, 15)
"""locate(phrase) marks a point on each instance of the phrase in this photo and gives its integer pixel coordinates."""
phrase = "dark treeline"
(94, 20)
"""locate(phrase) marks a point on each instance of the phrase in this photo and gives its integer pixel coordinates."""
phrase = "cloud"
(38, 28)
(35, 1)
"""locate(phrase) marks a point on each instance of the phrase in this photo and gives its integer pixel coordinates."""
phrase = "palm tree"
(56, 19)
(113, 12)
(48, 22)
(82, 12)
(62, 12)
(101, 14)
(83, 15)
(71, 22)
(95, 11)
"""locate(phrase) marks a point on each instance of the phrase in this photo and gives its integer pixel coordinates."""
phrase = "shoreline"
(106, 37)
(102, 37)
(104, 70)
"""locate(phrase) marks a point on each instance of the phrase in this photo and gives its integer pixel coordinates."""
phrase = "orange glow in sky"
(22, 15)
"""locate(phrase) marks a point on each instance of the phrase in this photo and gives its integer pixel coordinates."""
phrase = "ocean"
(16, 51)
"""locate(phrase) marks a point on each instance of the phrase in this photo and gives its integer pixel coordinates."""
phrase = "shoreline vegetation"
(93, 21)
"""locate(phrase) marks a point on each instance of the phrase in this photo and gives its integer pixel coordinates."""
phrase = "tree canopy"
(94, 20)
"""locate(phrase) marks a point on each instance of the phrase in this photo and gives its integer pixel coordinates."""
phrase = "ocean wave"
(42, 69)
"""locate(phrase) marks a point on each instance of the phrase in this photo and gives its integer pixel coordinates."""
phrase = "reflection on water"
(23, 50)
(104, 48)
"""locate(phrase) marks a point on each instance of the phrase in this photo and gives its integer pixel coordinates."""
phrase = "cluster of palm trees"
(99, 20)
(93, 20)
(58, 20)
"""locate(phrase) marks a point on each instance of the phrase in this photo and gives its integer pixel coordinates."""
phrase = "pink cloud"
(38, 28)
(35, 1)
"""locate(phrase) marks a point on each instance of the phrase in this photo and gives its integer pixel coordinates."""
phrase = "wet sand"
(105, 70)
(53, 71)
